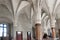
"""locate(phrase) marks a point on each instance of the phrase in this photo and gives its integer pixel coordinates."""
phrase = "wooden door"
(19, 35)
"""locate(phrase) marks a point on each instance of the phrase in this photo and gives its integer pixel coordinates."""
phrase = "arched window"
(3, 30)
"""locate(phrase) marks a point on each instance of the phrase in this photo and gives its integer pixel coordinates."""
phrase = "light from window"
(4, 34)
(19, 32)
(5, 25)
(1, 25)
(3, 30)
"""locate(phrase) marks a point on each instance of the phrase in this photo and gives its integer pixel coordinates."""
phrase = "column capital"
(37, 21)
(37, 24)
(52, 27)
(52, 22)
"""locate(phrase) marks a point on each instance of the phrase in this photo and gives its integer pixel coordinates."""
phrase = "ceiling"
(53, 7)
(14, 7)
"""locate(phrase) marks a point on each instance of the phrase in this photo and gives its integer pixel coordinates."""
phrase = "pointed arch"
(4, 12)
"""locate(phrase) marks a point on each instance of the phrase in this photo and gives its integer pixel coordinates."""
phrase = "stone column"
(37, 19)
(53, 28)
(37, 28)
(53, 32)
(45, 22)
(38, 25)
(59, 33)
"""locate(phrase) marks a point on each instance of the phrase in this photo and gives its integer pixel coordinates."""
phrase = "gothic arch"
(5, 13)
(57, 11)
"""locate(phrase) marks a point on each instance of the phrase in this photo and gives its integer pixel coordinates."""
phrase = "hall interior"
(29, 19)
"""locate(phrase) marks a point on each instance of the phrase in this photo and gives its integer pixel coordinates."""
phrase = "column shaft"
(53, 21)
(53, 32)
(37, 27)
(59, 33)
